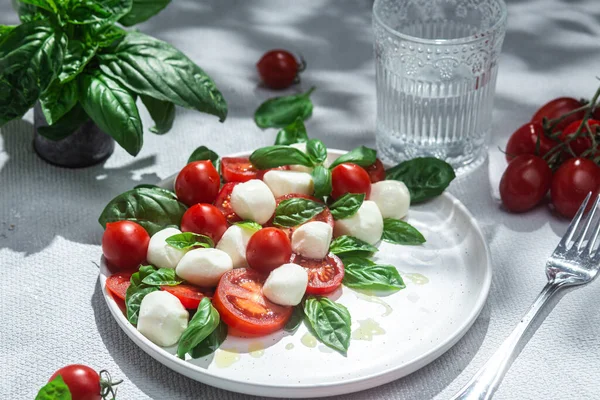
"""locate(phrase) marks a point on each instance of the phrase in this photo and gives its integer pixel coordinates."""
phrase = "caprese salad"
(250, 246)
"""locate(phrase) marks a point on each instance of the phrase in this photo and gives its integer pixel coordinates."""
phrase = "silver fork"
(575, 262)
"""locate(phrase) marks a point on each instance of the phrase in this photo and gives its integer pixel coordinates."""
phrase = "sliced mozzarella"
(286, 285)
(312, 239)
(204, 267)
(160, 254)
(253, 200)
(300, 168)
(392, 198)
(366, 224)
(162, 318)
(234, 242)
(286, 182)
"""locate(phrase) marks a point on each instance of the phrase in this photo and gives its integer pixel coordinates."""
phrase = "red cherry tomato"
(243, 307)
(125, 244)
(376, 171)
(223, 203)
(572, 182)
(349, 178)
(83, 382)
(323, 216)
(204, 219)
(117, 284)
(189, 295)
(558, 107)
(237, 169)
(268, 249)
(278, 69)
(583, 142)
(324, 276)
(525, 183)
(198, 182)
(524, 140)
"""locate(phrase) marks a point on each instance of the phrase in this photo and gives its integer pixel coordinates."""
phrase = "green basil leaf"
(329, 321)
(147, 186)
(400, 232)
(77, 56)
(347, 205)
(253, 226)
(153, 209)
(204, 153)
(48, 5)
(154, 68)
(103, 35)
(322, 181)
(188, 240)
(162, 277)
(292, 133)
(58, 100)
(162, 112)
(316, 150)
(279, 112)
(98, 11)
(28, 12)
(30, 58)
(425, 177)
(202, 324)
(295, 320)
(348, 259)
(5, 30)
(362, 156)
(296, 211)
(211, 343)
(373, 277)
(136, 291)
(56, 389)
(65, 126)
(142, 10)
(351, 246)
(113, 109)
(277, 156)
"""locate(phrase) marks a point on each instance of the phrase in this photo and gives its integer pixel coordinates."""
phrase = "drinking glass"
(436, 65)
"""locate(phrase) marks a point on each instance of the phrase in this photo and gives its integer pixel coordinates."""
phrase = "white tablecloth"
(51, 309)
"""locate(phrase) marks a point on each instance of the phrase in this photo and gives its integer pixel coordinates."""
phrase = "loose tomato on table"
(198, 182)
(376, 171)
(278, 69)
(189, 295)
(582, 142)
(243, 307)
(349, 178)
(558, 107)
(125, 244)
(86, 384)
(524, 141)
(323, 216)
(223, 202)
(204, 219)
(268, 249)
(324, 276)
(117, 284)
(572, 182)
(525, 182)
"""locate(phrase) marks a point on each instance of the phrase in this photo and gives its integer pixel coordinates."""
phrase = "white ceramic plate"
(447, 279)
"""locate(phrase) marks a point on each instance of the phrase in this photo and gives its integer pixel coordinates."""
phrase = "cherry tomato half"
(583, 142)
(572, 182)
(558, 107)
(125, 244)
(117, 284)
(197, 182)
(376, 171)
(323, 216)
(237, 169)
(525, 183)
(243, 307)
(189, 295)
(524, 141)
(278, 69)
(268, 249)
(324, 276)
(223, 203)
(83, 382)
(349, 178)
(204, 219)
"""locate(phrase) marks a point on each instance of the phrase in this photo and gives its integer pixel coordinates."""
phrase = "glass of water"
(437, 62)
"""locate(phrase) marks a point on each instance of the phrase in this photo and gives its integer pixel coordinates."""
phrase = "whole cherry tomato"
(349, 178)
(268, 249)
(84, 383)
(125, 244)
(376, 171)
(572, 182)
(583, 142)
(198, 182)
(524, 141)
(278, 69)
(525, 183)
(558, 107)
(204, 219)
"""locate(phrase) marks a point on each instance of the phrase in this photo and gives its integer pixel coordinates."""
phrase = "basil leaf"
(58, 100)
(253, 226)
(322, 181)
(373, 277)
(136, 292)
(350, 246)
(362, 156)
(56, 389)
(65, 126)
(277, 156)
(347, 205)
(142, 10)
(147, 186)
(102, 11)
(5, 30)
(425, 177)
(103, 36)
(77, 56)
(153, 209)
(162, 112)
(295, 320)
(113, 109)
(204, 153)
(28, 12)
(279, 112)
(330, 322)
(30, 59)
(188, 240)
(348, 259)
(296, 211)
(400, 232)
(211, 343)
(202, 324)
(162, 277)
(293, 133)
(154, 68)
(316, 150)
(48, 5)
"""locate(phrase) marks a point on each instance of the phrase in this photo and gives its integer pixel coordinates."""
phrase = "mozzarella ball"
(204, 267)
(300, 168)
(286, 285)
(253, 200)
(392, 198)
(234, 242)
(160, 254)
(162, 318)
(366, 224)
(312, 239)
(286, 182)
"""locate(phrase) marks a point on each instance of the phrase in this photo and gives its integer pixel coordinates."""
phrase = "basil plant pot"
(86, 146)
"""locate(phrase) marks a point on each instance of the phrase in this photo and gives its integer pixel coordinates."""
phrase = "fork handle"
(485, 382)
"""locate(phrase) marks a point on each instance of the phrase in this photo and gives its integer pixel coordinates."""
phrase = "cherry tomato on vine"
(268, 249)
(278, 69)
(86, 384)
(583, 142)
(349, 178)
(524, 141)
(204, 219)
(125, 244)
(558, 107)
(198, 182)
(376, 171)
(572, 182)
(525, 183)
